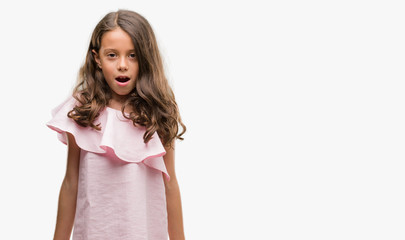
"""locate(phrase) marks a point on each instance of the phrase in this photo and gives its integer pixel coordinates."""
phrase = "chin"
(124, 93)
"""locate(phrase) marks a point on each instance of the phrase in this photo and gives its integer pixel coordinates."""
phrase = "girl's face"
(118, 62)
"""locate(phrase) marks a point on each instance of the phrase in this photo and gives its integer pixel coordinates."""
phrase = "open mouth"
(122, 79)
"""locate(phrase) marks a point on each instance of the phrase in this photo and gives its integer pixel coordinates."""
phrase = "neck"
(118, 98)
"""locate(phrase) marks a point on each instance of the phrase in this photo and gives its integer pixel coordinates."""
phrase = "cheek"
(136, 68)
(108, 70)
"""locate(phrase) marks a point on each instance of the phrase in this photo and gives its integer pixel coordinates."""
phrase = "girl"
(120, 126)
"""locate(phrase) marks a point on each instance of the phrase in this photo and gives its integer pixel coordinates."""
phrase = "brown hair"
(152, 99)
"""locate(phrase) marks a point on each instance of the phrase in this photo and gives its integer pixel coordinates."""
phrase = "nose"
(122, 64)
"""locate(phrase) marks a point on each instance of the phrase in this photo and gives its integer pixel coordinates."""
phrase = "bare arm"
(173, 199)
(68, 193)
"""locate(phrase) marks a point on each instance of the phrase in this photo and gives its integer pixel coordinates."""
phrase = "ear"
(96, 58)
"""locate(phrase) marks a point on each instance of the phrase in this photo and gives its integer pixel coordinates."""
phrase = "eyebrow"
(112, 49)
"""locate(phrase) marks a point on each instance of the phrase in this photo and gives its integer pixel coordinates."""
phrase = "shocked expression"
(118, 62)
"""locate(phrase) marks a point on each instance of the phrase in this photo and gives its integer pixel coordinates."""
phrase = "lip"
(122, 84)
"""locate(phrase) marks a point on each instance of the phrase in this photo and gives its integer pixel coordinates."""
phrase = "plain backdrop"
(294, 113)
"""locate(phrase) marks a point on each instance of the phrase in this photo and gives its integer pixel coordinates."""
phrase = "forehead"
(117, 39)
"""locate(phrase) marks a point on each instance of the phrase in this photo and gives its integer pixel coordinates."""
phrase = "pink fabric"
(121, 193)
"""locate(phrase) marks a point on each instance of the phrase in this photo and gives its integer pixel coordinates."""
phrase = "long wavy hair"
(152, 100)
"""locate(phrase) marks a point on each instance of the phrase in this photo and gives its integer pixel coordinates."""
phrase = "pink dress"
(121, 193)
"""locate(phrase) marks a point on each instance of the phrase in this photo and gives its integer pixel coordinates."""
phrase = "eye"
(132, 55)
(111, 55)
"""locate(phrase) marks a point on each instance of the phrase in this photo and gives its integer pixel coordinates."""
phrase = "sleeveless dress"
(121, 192)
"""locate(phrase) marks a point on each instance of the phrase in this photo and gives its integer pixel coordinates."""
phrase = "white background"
(294, 113)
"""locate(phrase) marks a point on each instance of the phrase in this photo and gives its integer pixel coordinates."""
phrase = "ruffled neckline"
(117, 135)
(113, 109)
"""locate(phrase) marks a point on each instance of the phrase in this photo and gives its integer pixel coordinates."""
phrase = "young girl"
(120, 126)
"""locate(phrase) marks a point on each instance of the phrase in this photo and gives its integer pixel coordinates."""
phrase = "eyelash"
(132, 55)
